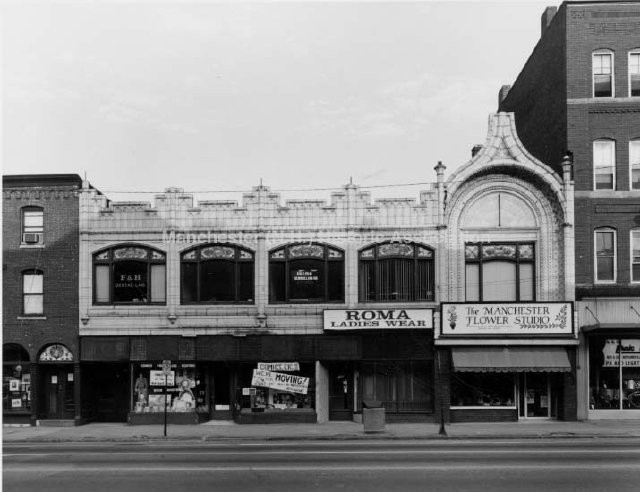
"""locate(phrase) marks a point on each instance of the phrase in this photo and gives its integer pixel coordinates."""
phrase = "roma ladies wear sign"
(367, 319)
(498, 319)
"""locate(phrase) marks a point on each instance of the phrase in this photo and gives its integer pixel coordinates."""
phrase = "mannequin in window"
(142, 388)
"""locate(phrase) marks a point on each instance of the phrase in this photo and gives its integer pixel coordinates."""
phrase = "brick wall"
(58, 260)
(538, 96)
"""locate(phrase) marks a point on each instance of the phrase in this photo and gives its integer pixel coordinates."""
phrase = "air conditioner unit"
(32, 238)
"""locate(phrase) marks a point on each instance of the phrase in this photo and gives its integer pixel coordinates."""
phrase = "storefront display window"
(398, 386)
(16, 379)
(257, 396)
(614, 373)
(483, 389)
(186, 388)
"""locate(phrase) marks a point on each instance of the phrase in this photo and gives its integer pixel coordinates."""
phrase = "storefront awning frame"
(510, 359)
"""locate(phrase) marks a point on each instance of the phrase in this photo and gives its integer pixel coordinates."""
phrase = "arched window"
(309, 272)
(217, 273)
(32, 225)
(634, 73)
(635, 255)
(603, 80)
(605, 247)
(396, 272)
(634, 164)
(499, 272)
(604, 164)
(129, 274)
(32, 292)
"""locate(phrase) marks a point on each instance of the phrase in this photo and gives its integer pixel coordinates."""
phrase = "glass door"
(535, 395)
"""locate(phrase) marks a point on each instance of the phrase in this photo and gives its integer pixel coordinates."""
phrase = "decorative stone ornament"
(56, 353)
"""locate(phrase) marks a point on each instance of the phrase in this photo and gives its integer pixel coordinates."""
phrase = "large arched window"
(499, 272)
(396, 272)
(129, 274)
(308, 272)
(219, 273)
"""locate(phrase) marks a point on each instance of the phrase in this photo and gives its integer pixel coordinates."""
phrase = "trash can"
(372, 416)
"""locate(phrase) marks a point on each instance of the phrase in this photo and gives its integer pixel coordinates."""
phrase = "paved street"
(541, 464)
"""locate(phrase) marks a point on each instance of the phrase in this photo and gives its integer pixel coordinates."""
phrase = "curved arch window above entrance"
(56, 353)
(498, 210)
(396, 271)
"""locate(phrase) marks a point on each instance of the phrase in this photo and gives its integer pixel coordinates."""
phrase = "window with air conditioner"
(32, 226)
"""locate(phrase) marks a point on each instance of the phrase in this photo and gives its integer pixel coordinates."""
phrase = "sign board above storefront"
(532, 319)
(375, 319)
(280, 381)
(628, 352)
(279, 366)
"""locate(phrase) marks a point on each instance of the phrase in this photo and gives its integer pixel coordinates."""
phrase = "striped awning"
(510, 359)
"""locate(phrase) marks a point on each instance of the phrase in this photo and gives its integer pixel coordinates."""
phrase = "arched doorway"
(16, 383)
(56, 383)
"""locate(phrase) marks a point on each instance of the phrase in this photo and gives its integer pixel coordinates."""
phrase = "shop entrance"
(105, 391)
(341, 392)
(57, 395)
(536, 399)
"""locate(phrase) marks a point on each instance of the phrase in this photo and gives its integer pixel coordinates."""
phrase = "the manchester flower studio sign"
(491, 319)
(375, 319)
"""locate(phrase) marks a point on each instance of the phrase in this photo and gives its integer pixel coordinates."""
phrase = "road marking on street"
(439, 452)
(306, 468)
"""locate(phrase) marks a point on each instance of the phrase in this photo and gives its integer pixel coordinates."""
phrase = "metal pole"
(165, 405)
(443, 431)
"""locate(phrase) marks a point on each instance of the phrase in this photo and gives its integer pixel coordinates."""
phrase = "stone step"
(56, 423)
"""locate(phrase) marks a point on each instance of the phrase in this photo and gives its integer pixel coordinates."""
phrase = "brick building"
(579, 94)
(40, 299)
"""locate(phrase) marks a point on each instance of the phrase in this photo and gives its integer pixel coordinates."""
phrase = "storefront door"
(57, 392)
(535, 395)
(341, 392)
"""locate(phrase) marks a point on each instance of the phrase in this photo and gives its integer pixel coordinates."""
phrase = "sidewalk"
(223, 431)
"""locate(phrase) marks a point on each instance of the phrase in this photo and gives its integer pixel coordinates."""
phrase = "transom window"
(634, 163)
(309, 272)
(32, 292)
(635, 255)
(32, 225)
(217, 273)
(396, 272)
(129, 274)
(500, 272)
(605, 255)
(604, 164)
(602, 74)
(634, 74)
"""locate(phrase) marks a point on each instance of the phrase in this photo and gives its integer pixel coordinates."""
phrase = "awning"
(510, 359)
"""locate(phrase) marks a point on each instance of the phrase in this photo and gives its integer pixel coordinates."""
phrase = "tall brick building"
(40, 299)
(579, 95)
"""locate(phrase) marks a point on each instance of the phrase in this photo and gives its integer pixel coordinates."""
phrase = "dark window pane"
(395, 279)
(604, 181)
(130, 281)
(306, 280)
(605, 268)
(336, 281)
(635, 85)
(424, 281)
(245, 279)
(277, 281)
(367, 281)
(189, 282)
(217, 281)
(602, 85)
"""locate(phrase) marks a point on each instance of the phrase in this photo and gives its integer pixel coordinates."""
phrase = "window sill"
(31, 317)
(31, 246)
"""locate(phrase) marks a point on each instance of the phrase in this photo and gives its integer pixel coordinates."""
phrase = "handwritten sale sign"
(280, 381)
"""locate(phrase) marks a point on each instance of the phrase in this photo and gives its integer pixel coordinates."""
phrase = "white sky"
(216, 96)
